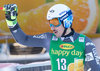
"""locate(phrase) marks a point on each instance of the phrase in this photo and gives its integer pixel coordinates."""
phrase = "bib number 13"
(61, 64)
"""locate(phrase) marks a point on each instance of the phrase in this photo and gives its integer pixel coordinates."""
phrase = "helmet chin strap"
(63, 34)
(65, 29)
(69, 34)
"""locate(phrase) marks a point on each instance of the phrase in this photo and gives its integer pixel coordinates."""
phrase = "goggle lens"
(54, 23)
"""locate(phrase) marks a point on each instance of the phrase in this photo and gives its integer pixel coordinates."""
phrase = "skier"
(66, 47)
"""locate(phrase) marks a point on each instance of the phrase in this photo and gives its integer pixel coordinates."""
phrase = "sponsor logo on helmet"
(64, 17)
(65, 14)
(66, 46)
(52, 11)
(62, 13)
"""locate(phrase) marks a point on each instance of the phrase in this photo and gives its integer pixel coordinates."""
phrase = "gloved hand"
(11, 12)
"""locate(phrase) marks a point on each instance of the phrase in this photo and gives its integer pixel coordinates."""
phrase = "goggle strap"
(59, 21)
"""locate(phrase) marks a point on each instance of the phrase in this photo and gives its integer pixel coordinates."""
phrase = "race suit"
(70, 53)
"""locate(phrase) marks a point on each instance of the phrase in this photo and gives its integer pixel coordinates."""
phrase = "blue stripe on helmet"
(66, 15)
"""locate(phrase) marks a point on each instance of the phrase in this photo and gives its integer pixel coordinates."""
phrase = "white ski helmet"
(62, 12)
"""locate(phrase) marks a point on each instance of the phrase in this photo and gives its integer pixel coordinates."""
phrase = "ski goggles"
(55, 22)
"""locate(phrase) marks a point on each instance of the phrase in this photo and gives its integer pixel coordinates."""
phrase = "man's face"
(56, 27)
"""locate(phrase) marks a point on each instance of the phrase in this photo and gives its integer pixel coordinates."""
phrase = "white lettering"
(42, 36)
(89, 57)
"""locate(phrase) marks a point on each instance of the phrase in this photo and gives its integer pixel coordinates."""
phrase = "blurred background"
(32, 20)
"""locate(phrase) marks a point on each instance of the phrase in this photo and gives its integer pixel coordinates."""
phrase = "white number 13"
(63, 66)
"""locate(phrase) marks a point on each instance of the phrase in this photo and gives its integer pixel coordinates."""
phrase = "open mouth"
(55, 31)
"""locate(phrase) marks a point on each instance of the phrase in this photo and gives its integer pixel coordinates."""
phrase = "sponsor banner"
(66, 46)
(66, 52)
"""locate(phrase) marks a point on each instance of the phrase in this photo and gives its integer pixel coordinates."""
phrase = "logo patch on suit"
(89, 57)
(81, 39)
(66, 46)
(54, 38)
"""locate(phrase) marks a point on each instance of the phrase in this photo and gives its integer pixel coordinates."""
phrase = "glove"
(11, 13)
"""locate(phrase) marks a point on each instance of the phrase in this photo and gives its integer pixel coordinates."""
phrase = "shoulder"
(78, 35)
(82, 36)
(87, 39)
(89, 42)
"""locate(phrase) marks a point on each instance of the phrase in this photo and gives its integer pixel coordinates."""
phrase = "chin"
(57, 36)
